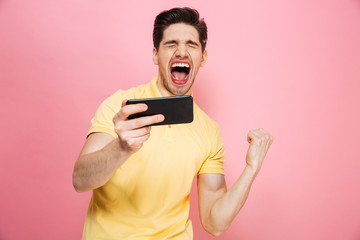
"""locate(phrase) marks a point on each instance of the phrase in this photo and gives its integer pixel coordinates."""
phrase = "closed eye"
(192, 44)
(171, 43)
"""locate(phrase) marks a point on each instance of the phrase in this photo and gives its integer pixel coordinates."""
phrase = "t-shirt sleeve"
(214, 163)
(103, 119)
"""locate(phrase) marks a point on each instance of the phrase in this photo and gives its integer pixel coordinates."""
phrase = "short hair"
(179, 15)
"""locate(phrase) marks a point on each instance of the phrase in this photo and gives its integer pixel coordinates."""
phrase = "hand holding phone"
(133, 133)
(177, 110)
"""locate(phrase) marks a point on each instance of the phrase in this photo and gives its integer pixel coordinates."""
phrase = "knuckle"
(146, 130)
(118, 128)
(116, 117)
(148, 121)
(151, 120)
(122, 136)
(122, 111)
(125, 136)
(141, 122)
(131, 142)
(138, 146)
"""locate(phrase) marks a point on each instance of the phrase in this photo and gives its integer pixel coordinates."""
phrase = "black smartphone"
(178, 109)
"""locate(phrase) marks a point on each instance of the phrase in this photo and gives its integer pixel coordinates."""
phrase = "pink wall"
(292, 67)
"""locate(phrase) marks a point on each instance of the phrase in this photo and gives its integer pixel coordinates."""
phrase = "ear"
(204, 58)
(155, 57)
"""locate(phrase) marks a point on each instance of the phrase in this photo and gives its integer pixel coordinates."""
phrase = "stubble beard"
(177, 91)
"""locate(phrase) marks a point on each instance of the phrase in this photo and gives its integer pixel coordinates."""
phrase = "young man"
(141, 182)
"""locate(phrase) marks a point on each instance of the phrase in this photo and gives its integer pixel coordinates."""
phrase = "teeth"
(180, 65)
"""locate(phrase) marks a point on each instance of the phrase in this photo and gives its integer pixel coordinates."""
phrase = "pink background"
(291, 67)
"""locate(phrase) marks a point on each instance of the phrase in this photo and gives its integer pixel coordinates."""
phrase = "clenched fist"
(133, 133)
(260, 141)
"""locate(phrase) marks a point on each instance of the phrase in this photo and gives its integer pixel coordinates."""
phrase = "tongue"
(179, 75)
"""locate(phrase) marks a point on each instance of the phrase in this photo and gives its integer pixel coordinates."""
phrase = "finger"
(137, 143)
(144, 121)
(135, 133)
(127, 110)
(123, 103)
(137, 123)
(251, 136)
(263, 131)
(254, 136)
(267, 135)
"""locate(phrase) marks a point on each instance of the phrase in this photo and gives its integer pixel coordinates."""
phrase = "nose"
(181, 51)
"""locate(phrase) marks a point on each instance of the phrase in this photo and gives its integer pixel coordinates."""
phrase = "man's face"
(179, 58)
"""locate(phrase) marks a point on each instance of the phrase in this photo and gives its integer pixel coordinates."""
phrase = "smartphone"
(178, 109)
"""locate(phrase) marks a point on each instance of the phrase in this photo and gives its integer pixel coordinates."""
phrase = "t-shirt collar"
(153, 88)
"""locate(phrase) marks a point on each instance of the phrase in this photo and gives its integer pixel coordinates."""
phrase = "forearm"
(228, 206)
(94, 169)
(218, 207)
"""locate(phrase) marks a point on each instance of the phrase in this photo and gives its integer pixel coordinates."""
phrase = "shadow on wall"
(357, 235)
(357, 1)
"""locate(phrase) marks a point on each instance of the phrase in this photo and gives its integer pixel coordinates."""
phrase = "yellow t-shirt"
(148, 196)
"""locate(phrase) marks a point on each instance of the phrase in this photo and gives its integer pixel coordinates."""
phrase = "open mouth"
(180, 72)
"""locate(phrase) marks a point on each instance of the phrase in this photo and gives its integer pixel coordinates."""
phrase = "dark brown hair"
(179, 15)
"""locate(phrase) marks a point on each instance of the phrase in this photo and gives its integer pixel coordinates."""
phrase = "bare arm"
(218, 207)
(98, 160)
(102, 154)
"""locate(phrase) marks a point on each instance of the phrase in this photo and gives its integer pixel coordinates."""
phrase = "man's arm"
(218, 207)
(102, 154)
